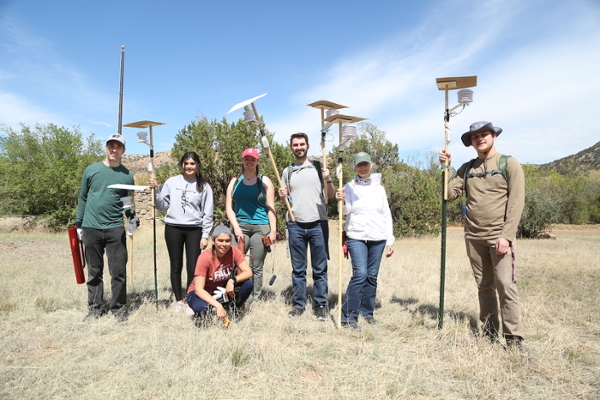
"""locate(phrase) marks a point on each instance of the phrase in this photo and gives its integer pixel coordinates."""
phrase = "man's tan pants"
(495, 273)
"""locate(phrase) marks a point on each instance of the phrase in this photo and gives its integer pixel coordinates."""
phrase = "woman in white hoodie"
(369, 232)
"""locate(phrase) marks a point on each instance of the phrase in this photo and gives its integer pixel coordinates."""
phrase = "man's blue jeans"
(360, 296)
(300, 236)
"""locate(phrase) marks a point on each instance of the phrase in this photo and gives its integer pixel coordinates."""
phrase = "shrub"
(41, 169)
(540, 212)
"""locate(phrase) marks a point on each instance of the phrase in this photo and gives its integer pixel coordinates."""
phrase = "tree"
(415, 201)
(41, 169)
(413, 194)
(369, 139)
(539, 213)
(219, 146)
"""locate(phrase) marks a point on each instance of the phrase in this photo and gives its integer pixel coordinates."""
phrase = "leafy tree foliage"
(595, 211)
(413, 194)
(219, 146)
(41, 169)
(415, 201)
(369, 139)
(539, 213)
(574, 193)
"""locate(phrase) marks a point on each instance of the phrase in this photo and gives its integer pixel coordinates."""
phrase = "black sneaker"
(351, 326)
(371, 321)
(296, 312)
(322, 313)
(94, 314)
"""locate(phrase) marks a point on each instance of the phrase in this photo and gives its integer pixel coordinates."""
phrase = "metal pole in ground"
(447, 84)
(343, 143)
(143, 139)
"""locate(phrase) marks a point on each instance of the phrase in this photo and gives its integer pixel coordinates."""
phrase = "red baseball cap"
(250, 153)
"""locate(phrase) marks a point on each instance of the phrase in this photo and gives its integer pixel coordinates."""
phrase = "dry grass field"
(47, 352)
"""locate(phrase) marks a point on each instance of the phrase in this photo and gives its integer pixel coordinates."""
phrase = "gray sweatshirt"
(184, 205)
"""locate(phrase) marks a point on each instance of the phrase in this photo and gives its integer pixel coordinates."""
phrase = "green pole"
(443, 262)
(445, 174)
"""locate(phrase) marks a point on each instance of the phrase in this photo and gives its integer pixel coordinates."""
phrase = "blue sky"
(537, 64)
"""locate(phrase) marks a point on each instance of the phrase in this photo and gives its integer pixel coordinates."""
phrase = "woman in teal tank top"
(250, 207)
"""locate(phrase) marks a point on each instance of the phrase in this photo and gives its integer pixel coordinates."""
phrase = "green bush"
(415, 201)
(41, 169)
(540, 212)
(219, 146)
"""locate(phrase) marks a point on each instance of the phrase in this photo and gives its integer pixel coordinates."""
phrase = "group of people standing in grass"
(221, 280)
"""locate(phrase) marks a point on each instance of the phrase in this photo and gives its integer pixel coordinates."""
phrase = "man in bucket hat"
(493, 189)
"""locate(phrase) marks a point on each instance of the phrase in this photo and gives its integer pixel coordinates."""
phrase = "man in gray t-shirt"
(304, 188)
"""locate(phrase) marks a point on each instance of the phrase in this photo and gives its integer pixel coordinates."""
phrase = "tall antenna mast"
(120, 122)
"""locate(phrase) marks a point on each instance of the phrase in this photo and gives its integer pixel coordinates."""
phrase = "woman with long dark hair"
(250, 207)
(188, 200)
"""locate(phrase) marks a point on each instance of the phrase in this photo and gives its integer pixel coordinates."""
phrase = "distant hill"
(585, 161)
(139, 163)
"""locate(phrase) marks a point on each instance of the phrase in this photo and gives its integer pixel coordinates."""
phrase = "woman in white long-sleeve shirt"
(369, 233)
(188, 200)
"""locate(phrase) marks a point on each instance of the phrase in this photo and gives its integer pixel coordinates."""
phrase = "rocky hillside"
(139, 163)
(585, 161)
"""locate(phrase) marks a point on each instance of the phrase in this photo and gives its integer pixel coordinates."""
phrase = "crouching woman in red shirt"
(219, 274)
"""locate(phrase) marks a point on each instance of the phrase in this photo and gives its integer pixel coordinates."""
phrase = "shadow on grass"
(332, 299)
(412, 305)
(137, 298)
(288, 295)
(267, 295)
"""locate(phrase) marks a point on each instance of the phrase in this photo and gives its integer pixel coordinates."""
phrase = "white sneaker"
(180, 306)
(189, 311)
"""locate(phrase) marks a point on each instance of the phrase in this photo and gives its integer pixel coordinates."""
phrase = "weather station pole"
(345, 136)
(143, 138)
(465, 97)
(332, 109)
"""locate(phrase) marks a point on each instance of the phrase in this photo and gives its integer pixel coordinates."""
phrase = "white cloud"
(50, 88)
(543, 93)
(16, 110)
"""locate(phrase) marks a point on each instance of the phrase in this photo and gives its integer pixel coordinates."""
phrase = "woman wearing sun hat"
(250, 208)
(369, 232)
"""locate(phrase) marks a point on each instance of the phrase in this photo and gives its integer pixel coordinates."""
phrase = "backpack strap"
(236, 184)
(464, 191)
(503, 165)
(289, 169)
(502, 169)
(261, 186)
(317, 164)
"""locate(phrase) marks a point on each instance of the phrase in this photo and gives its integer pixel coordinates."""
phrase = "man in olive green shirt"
(100, 217)
(495, 196)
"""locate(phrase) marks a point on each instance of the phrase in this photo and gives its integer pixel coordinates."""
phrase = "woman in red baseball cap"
(250, 207)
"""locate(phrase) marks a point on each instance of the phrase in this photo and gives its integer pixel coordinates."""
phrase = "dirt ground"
(22, 224)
